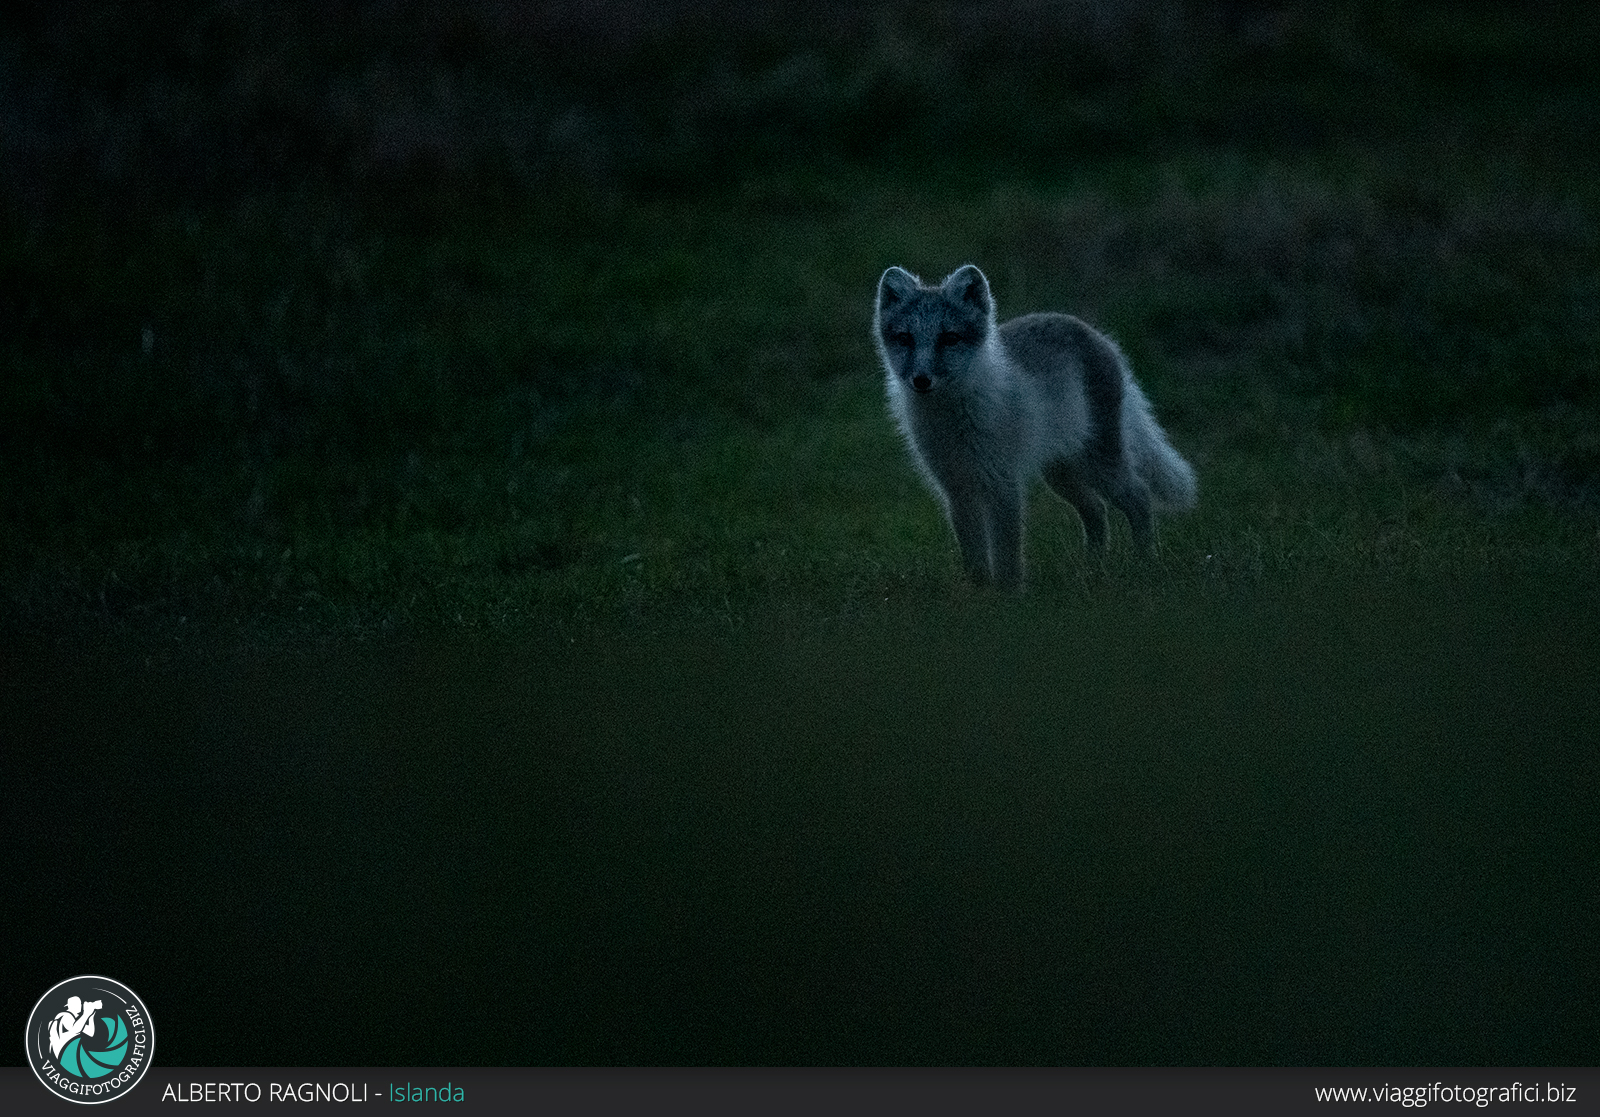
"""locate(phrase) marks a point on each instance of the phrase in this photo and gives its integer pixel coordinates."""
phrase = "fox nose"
(922, 382)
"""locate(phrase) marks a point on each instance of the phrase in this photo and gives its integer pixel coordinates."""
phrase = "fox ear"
(896, 284)
(967, 285)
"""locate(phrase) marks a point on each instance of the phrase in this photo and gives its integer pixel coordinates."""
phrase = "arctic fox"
(984, 407)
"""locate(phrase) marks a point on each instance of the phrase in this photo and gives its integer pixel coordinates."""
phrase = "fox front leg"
(1005, 530)
(972, 537)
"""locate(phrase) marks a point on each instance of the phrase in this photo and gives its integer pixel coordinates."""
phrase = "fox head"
(929, 335)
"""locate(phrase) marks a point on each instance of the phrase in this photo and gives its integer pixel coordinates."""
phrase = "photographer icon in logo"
(90, 1039)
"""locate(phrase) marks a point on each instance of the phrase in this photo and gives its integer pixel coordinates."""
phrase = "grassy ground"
(603, 406)
(484, 583)
(1353, 832)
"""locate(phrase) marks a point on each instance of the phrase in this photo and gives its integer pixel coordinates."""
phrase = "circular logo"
(90, 1039)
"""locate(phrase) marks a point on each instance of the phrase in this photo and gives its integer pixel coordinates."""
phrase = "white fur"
(1001, 404)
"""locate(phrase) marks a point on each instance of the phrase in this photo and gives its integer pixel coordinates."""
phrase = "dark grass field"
(1349, 830)
(457, 573)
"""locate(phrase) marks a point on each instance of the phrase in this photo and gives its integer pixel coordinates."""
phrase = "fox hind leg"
(1061, 477)
(1126, 491)
(1131, 496)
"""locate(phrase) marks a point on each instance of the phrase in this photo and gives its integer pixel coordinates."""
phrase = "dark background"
(463, 602)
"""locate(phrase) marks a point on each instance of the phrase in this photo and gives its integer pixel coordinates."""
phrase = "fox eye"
(902, 338)
(949, 337)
